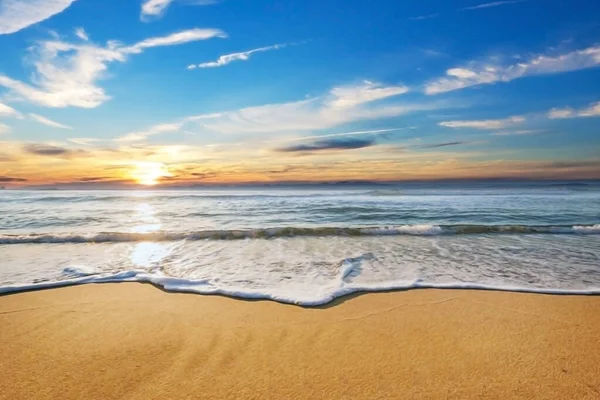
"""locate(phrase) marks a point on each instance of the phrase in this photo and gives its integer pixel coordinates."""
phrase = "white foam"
(421, 230)
(316, 299)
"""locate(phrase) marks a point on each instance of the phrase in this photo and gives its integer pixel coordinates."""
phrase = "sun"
(149, 173)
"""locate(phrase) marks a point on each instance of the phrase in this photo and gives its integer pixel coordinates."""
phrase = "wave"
(343, 288)
(267, 233)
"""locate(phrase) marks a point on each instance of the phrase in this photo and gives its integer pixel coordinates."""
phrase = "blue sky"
(239, 90)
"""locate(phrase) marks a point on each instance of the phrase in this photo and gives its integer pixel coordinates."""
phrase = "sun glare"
(149, 173)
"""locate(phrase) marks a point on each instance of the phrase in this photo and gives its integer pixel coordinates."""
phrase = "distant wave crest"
(268, 233)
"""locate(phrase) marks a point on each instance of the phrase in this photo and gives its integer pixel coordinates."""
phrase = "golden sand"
(133, 341)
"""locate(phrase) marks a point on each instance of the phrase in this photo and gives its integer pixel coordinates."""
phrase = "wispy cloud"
(84, 141)
(81, 34)
(48, 122)
(4, 128)
(484, 124)
(41, 149)
(156, 8)
(66, 74)
(444, 144)
(9, 179)
(593, 110)
(155, 130)
(19, 14)
(329, 145)
(177, 38)
(519, 132)
(477, 73)
(422, 17)
(342, 104)
(493, 4)
(242, 56)
(7, 111)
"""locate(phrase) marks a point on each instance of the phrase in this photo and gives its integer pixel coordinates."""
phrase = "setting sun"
(149, 173)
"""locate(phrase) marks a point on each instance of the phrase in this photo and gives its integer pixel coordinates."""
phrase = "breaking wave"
(268, 233)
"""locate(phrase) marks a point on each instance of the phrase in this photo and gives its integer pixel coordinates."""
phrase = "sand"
(134, 341)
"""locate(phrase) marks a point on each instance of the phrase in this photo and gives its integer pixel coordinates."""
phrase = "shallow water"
(306, 246)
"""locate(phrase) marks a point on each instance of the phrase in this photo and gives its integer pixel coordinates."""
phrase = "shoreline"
(126, 277)
(138, 341)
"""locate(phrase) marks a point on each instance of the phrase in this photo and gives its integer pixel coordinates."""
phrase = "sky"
(175, 93)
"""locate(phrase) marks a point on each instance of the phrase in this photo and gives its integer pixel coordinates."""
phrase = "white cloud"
(7, 111)
(19, 14)
(520, 132)
(484, 124)
(84, 141)
(242, 56)
(190, 35)
(4, 128)
(489, 73)
(48, 122)
(339, 106)
(66, 74)
(593, 110)
(81, 34)
(493, 4)
(422, 17)
(155, 130)
(156, 8)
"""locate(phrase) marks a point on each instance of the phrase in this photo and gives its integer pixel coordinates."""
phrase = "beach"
(135, 341)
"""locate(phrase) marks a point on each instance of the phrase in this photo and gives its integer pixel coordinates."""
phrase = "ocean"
(307, 245)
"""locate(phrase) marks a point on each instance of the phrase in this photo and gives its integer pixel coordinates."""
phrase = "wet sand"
(134, 341)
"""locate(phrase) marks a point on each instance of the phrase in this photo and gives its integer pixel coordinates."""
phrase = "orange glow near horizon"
(149, 173)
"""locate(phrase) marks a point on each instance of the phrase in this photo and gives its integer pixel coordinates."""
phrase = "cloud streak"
(423, 17)
(66, 74)
(7, 111)
(156, 8)
(593, 110)
(493, 4)
(342, 104)
(486, 73)
(330, 144)
(48, 122)
(487, 124)
(242, 56)
(41, 149)
(16, 15)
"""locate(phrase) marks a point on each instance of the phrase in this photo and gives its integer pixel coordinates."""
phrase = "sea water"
(307, 245)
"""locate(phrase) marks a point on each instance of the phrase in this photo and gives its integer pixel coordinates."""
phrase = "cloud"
(84, 141)
(520, 132)
(66, 74)
(4, 128)
(7, 111)
(422, 17)
(341, 105)
(484, 124)
(19, 14)
(155, 130)
(243, 56)
(8, 179)
(489, 73)
(80, 33)
(493, 4)
(328, 144)
(48, 122)
(593, 110)
(156, 8)
(49, 150)
(190, 35)
(438, 145)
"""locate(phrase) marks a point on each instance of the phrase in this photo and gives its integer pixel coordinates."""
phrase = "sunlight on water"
(145, 219)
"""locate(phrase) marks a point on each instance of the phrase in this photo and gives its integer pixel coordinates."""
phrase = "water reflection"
(148, 255)
(145, 219)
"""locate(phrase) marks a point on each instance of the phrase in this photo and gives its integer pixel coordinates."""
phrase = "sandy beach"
(134, 341)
